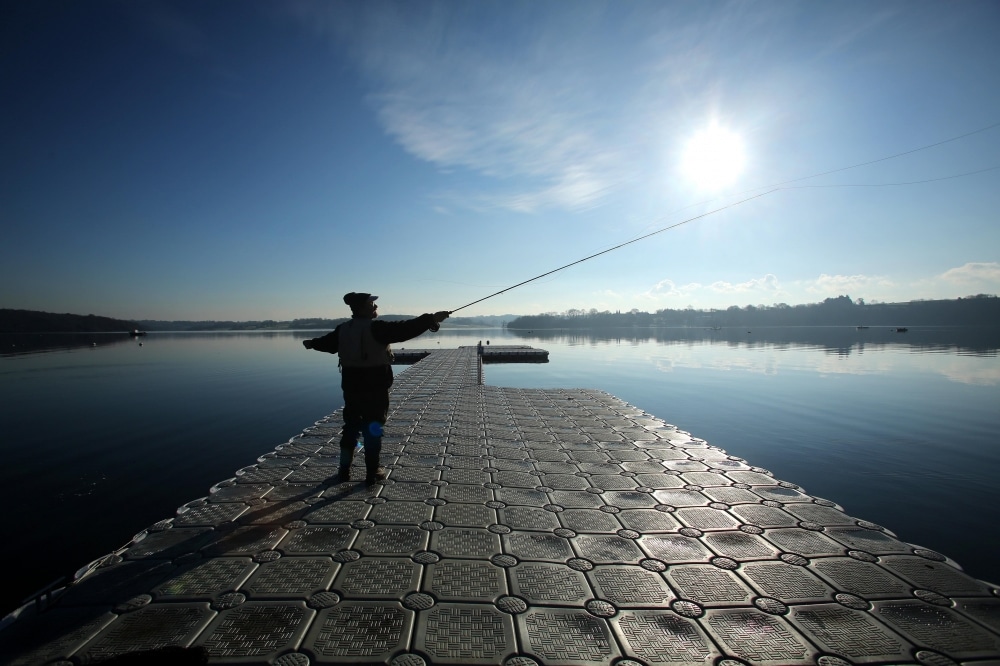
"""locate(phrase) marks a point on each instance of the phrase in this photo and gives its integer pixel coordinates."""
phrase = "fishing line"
(774, 188)
(909, 182)
(620, 245)
(848, 168)
(891, 157)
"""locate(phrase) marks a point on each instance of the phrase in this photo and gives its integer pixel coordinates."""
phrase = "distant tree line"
(227, 325)
(978, 310)
(31, 321)
(311, 323)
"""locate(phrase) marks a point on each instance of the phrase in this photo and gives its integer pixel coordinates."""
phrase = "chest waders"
(366, 396)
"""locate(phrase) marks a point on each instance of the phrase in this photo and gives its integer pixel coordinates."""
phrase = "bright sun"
(713, 158)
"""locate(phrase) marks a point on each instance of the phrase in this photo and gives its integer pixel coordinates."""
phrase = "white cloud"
(665, 289)
(457, 91)
(836, 285)
(966, 280)
(523, 136)
(556, 107)
(971, 274)
(962, 281)
(766, 285)
(701, 295)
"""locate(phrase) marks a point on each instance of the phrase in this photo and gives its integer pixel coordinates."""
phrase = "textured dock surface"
(489, 354)
(517, 527)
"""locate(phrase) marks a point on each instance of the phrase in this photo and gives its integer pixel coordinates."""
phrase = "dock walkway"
(489, 354)
(517, 527)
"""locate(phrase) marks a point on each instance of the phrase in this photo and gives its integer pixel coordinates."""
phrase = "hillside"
(312, 323)
(982, 310)
(31, 321)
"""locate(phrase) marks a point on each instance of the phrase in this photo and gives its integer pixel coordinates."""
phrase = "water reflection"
(840, 340)
(954, 354)
(16, 344)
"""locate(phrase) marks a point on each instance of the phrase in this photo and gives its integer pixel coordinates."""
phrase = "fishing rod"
(616, 247)
(784, 185)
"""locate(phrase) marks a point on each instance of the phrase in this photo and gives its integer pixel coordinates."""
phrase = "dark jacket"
(378, 378)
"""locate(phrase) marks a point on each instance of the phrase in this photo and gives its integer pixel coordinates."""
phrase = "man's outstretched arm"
(329, 343)
(388, 332)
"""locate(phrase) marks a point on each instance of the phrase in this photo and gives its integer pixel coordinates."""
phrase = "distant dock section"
(488, 353)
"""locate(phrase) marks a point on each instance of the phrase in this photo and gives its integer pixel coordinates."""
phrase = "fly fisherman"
(366, 375)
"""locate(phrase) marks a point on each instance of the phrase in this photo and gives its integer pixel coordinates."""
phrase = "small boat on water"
(861, 328)
(901, 329)
(135, 333)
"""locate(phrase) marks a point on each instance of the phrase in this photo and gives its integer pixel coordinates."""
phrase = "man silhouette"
(366, 375)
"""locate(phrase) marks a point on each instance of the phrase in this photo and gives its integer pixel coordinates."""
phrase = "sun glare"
(713, 158)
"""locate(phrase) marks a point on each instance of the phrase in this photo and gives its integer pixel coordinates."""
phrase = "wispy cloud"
(836, 285)
(668, 289)
(553, 108)
(973, 274)
(965, 280)
(512, 124)
(765, 285)
(534, 106)
(981, 277)
(668, 292)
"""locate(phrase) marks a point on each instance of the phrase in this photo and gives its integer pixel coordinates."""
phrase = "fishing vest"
(358, 348)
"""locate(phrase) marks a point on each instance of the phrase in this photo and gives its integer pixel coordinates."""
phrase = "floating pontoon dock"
(517, 527)
(489, 354)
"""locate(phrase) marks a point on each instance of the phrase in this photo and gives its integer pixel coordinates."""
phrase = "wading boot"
(375, 476)
(344, 474)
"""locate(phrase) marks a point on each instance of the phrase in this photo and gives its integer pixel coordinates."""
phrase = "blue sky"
(249, 160)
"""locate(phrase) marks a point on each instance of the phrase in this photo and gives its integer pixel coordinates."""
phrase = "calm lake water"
(103, 436)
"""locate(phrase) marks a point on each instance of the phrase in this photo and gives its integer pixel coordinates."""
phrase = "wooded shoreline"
(979, 310)
(983, 310)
